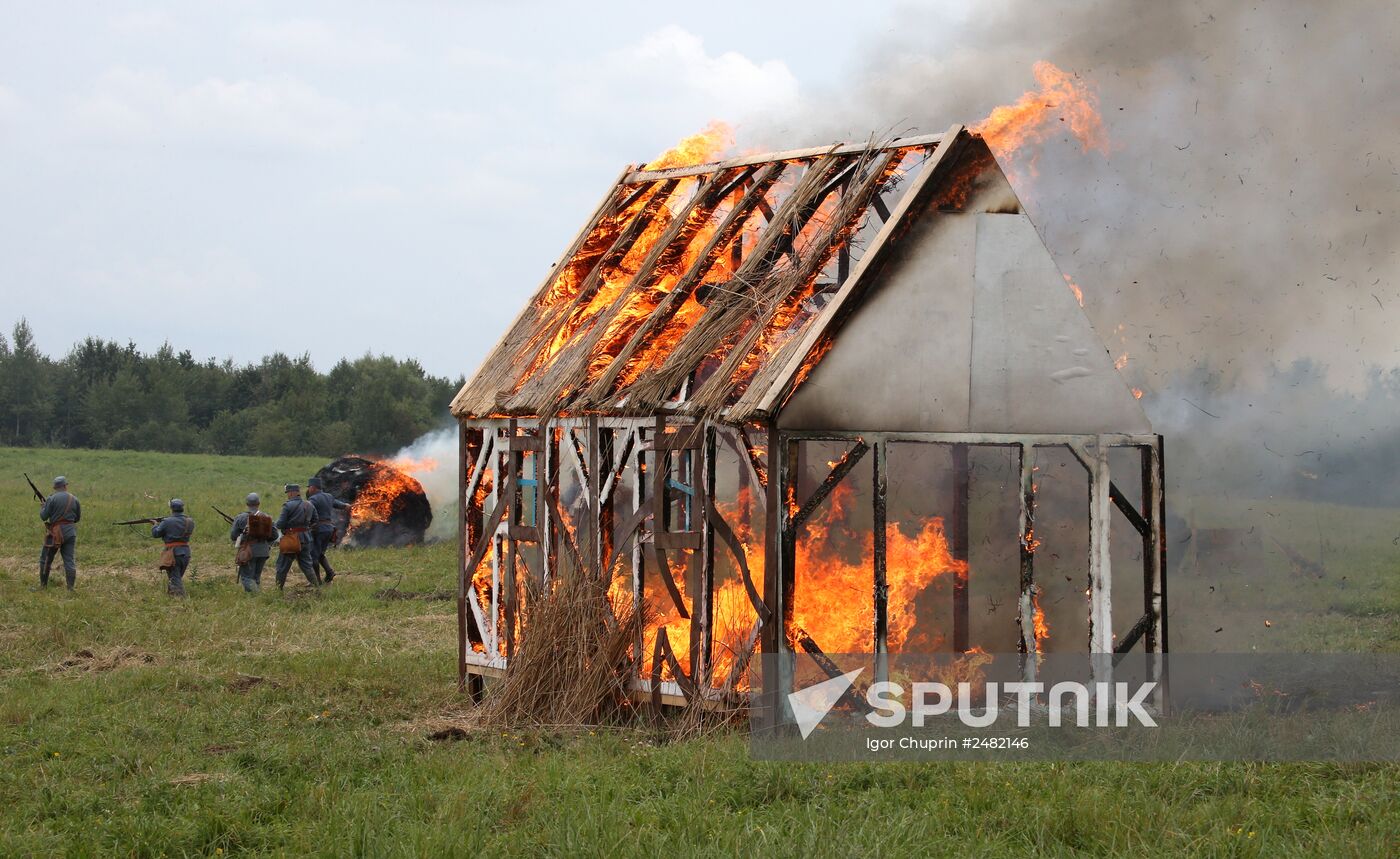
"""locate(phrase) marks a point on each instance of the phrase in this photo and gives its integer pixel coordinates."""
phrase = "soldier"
(253, 533)
(325, 532)
(60, 514)
(297, 519)
(176, 530)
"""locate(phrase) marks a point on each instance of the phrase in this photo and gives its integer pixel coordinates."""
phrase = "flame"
(379, 495)
(1042, 627)
(1137, 393)
(1037, 114)
(832, 595)
(1074, 288)
(699, 148)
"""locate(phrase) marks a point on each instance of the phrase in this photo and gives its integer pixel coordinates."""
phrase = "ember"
(388, 507)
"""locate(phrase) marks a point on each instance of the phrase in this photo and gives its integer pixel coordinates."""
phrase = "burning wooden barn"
(796, 401)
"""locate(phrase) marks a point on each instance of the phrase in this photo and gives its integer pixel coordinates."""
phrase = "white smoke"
(431, 459)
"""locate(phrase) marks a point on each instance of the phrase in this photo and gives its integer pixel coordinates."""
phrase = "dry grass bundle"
(573, 661)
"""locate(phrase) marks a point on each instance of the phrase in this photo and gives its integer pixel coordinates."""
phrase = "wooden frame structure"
(711, 306)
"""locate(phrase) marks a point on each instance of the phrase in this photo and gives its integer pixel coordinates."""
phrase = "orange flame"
(1061, 98)
(1074, 288)
(379, 495)
(699, 148)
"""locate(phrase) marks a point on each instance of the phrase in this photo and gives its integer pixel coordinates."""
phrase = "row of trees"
(103, 394)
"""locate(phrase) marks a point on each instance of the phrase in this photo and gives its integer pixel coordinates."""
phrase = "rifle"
(37, 494)
(227, 518)
(138, 522)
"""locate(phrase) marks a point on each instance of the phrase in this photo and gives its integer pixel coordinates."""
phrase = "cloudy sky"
(239, 177)
(242, 177)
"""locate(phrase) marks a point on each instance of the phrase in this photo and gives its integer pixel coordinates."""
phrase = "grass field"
(132, 724)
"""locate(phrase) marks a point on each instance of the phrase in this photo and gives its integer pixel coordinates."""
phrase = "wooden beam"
(729, 227)
(1100, 569)
(838, 473)
(880, 591)
(1141, 628)
(959, 545)
(1126, 507)
(1025, 612)
(864, 271)
(463, 540)
(787, 155)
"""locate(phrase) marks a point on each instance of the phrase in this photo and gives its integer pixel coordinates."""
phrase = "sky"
(336, 178)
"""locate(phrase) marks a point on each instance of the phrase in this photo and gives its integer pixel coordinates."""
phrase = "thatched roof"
(710, 290)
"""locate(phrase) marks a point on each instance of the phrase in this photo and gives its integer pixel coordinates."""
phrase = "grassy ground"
(131, 724)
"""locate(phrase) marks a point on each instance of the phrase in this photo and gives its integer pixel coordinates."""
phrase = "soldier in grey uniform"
(326, 504)
(259, 549)
(298, 517)
(61, 509)
(176, 530)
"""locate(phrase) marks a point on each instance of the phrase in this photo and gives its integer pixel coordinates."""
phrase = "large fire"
(636, 287)
(388, 506)
(1063, 100)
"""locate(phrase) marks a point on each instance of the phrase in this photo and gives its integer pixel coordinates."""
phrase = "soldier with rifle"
(297, 543)
(60, 513)
(326, 532)
(252, 533)
(176, 530)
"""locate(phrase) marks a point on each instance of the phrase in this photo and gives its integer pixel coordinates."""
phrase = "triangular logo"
(810, 705)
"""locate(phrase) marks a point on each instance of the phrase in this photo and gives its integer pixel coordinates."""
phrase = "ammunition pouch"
(290, 544)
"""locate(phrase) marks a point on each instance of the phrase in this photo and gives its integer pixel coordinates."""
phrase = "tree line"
(103, 394)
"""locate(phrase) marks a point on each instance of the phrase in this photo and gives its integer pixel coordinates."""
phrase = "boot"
(70, 579)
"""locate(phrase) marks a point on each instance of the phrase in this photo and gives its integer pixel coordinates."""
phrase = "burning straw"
(572, 668)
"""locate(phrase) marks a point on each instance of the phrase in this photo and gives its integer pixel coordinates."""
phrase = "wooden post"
(497, 582)
(515, 464)
(639, 498)
(702, 598)
(881, 591)
(777, 579)
(959, 546)
(1155, 588)
(464, 539)
(604, 518)
(1100, 572)
(547, 469)
(1025, 614)
(471, 522)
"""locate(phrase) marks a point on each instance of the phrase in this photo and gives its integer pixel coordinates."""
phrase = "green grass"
(128, 726)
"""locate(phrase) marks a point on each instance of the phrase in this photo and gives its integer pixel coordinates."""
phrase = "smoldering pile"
(388, 506)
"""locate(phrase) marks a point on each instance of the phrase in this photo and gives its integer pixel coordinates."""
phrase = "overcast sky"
(336, 178)
(242, 177)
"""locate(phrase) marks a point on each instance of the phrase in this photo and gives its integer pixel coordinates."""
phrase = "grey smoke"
(1246, 217)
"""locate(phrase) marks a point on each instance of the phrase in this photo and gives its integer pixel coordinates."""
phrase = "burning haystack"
(763, 397)
(388, 507)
